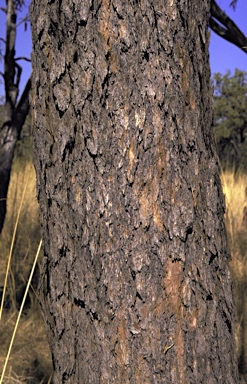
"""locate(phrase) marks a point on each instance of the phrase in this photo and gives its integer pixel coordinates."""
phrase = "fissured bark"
(136, 286)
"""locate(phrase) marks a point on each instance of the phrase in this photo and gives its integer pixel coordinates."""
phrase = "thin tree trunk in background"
(136, 285)
(9, 134)
(15, 112)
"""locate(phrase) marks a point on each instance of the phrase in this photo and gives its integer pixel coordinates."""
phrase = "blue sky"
(223, 55)
(23, 44)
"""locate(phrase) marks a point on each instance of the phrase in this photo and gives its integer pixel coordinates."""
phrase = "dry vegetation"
(30, 360)
(235, 189)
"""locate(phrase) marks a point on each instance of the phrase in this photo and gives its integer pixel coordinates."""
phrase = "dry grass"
(30, 360)
(235, 189)
(27, 236)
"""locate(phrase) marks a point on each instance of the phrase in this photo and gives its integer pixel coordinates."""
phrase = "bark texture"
(136, 286)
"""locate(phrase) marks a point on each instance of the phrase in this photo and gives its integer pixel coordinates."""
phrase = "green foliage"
(230, 111)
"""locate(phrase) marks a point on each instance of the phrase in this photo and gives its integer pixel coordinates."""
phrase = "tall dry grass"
(30, 360)
(235, 189)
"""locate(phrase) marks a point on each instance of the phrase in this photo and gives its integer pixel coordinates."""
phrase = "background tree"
(15, 110)
(136, 256)
(230, 106)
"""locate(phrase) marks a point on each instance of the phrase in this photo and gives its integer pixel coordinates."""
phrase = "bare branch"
(24, 20)
(18, 75)
(233, 4)
(221, 24)
(19, 4)
(23, 58)
(1, 50)
(10, 75)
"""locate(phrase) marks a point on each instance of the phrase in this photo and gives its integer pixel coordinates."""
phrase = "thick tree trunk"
(137, 286)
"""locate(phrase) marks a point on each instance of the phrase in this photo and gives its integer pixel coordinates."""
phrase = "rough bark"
(136, 285)
(15, 111)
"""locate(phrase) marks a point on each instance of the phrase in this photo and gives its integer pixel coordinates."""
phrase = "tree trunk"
(15, 112)
(136, 285)
(9, 134)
